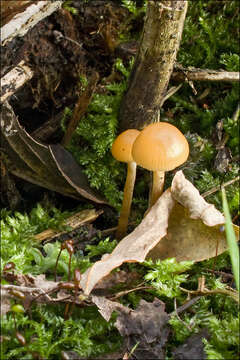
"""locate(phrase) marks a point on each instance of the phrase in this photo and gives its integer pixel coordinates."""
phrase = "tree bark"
(154, 63)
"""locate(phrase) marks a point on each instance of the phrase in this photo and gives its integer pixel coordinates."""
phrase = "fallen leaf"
(193, 348)
(189, 239)
(72, 173)
(195, 228)
(184, 192)
(120, 278)
(50, 166)
(40, 281)
(191, 231)
(135, 246)
(146, 326)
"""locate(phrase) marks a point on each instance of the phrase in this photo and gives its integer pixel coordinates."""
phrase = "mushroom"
(122, 151)
(160, 147)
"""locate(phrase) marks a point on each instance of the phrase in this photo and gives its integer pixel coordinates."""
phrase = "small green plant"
(47, 334)
(224, 342)
(68, 6)
(132, 6)
(18, 230)
(167, 275)
(103, 247)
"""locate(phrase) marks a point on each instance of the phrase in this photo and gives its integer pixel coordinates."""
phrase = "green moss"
(93, 138)
(209, 33)
(167, 275)
(47, 334)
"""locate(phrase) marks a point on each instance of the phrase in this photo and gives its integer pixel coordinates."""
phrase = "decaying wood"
(80, 108)
(154, 63)
(195, 74)
(14, 79)
(9, 8)
(25, 20)
(75, 221)
(49, 128)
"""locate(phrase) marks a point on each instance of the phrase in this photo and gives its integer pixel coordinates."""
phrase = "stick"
(75, 221)
(195, 74)
(80, 108)
(24, 21)
(217, 188)
(14, 79)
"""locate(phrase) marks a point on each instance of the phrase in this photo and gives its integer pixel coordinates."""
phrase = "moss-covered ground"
(210, 40)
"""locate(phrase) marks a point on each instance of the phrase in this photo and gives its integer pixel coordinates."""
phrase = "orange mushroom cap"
(122, 146)
(160, 147)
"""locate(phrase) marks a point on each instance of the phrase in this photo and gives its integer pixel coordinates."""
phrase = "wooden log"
(26, 14)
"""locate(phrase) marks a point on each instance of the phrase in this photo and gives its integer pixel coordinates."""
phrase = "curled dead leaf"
(135, 246)
(181, 224)
(186, 194)
(189, 239)
(51, 166)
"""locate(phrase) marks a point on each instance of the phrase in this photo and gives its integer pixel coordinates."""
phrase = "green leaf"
(231, 240)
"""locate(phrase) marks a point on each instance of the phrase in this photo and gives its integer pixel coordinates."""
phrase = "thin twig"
(205, 292)
(176, 314)
(74, 222)
(27, 290)
(185, 306)
(221, 273)
(80, 108)
(217, 188)
(185, 74)
(125, 292)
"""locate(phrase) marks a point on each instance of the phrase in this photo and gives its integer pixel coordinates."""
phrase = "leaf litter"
(181, 224)
(50, 166)
(144, 329)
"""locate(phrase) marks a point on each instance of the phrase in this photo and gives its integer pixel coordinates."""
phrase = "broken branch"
(14, 79)
(80, 108)
(24, 21)
(195, 74)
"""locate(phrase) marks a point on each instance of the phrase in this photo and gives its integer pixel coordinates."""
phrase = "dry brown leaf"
(135, 246)
(195, 230)
(184, 192)
(50, 166)
(146, 326)
(189, 239)
(41, 282)
(191, 231)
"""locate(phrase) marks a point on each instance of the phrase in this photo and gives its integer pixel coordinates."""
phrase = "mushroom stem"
(127, 200)
(157, 186)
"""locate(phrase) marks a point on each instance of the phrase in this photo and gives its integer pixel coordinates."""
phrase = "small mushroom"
(160, 147)
(122, 151)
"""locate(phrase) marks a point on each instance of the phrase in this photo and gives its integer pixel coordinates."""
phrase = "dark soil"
(60, 49)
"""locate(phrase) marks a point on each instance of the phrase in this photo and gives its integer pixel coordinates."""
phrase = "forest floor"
(65, 51)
